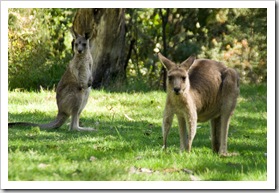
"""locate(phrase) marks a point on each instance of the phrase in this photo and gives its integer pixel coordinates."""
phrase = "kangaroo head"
(81, 42)
(177, 75)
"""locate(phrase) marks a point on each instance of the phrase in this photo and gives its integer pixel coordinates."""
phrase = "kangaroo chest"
(182, 106)
(81, 69)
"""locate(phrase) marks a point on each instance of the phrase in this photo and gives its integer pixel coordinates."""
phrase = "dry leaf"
(42, 165)
(187, 171)
(134, 170)
(129, 118)
(170, 170)
(145, 170)
(138, 157)
(92, 158)
(229, 154)
(194, 178)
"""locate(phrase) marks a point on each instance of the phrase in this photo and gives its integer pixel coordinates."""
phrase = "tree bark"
(107, 27)
(165, 51)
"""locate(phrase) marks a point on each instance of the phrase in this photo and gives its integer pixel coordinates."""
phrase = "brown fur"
(73, 89)
(198, 91)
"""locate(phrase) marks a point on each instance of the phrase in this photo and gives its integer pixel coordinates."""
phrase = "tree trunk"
(165, 51)
(107, 43)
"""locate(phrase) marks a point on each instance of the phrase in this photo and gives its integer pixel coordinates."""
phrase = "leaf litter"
(138, 170)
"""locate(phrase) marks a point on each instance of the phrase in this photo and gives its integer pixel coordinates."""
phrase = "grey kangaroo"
(73, 89)
(200, 90)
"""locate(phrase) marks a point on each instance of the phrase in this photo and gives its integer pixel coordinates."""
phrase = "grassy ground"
(128, 143)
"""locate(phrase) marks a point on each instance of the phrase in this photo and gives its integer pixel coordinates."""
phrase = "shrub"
(39, 46)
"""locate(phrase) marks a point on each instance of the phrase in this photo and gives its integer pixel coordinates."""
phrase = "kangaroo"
(199, 90)
(73, 89)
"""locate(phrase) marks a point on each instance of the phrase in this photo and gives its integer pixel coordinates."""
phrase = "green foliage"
(39, 43)
(128, 143)
(235, 36)
(39, 46)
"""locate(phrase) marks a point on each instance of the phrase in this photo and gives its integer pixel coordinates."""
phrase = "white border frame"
(269, 184)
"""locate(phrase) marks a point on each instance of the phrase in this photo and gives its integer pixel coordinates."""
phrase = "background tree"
(107, 43)
(123, 43)
(234, 36)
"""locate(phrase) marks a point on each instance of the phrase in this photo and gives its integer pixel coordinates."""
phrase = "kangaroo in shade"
(73, 89)
(199, 90)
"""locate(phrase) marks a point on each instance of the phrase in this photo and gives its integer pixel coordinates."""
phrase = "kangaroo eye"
(170, 78)
(183, 78)
(84, 44)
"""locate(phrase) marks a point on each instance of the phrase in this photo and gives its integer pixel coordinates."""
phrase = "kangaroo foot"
(85, 129)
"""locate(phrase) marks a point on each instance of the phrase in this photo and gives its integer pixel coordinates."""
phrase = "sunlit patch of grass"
(128, 143)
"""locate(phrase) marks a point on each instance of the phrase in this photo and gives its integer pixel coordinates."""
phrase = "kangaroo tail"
(22, 124)
(58, 122)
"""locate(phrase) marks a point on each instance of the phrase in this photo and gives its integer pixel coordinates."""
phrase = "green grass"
(128, 143)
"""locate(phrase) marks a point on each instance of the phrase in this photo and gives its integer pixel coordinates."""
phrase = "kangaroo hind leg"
(215, 133)
(75, 123)
(230, 91)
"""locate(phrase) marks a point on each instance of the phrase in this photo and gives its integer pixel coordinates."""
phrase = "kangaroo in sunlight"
(199, 90)
(73, 89)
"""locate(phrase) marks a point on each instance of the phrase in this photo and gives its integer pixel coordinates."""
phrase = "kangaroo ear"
(73, 33)
(187, 63)
(166, 62)
(88, 35)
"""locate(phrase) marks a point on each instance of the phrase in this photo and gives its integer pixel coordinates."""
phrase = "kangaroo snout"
(176, 90)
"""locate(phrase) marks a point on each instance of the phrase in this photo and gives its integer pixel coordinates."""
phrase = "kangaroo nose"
(176, 90)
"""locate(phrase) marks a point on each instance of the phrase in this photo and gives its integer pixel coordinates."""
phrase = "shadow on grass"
(141, 134)
(123, 138)
(119, 139)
